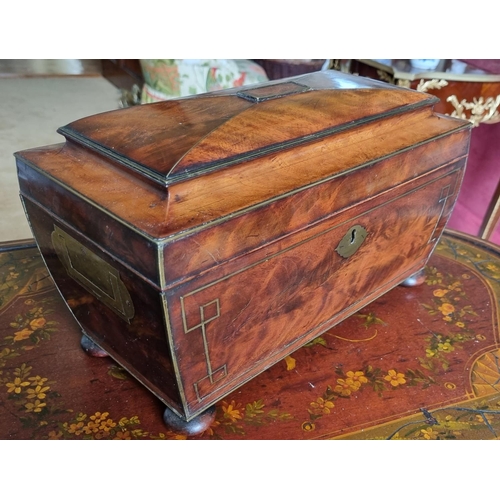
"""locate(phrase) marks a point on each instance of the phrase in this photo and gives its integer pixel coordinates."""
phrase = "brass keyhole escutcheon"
(352, 240)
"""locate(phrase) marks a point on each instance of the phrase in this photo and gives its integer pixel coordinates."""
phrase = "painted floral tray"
(419, 363)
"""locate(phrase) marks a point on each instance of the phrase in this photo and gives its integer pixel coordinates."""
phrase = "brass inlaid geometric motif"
(447, 192)
(207, 313)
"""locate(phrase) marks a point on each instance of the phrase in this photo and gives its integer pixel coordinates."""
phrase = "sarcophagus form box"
(198, 241)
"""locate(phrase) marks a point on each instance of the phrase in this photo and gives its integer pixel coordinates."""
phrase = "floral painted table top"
(418, 363)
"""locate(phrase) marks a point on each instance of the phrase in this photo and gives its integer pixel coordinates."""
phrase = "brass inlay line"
(201, 325)
(237, 213)
(321, 233)
(165, 180)
(239, 379)
(442, 200)
(444, 197)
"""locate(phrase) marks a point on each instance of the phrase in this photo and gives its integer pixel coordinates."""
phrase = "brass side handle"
(93, 273)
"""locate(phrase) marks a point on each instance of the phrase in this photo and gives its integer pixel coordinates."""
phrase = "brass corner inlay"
(93, 273)
(207, 313)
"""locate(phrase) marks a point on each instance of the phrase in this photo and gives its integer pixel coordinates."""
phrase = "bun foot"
(415, 279)
(194, 427)
(91, 348)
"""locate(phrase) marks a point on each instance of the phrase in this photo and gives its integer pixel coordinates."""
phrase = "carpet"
(31, 112)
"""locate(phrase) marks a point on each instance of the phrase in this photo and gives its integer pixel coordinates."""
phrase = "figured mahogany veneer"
(199, 241)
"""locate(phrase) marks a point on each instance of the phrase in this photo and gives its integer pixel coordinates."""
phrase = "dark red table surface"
(419, 363)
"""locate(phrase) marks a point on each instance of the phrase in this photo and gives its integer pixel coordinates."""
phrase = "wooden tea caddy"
(198, 241)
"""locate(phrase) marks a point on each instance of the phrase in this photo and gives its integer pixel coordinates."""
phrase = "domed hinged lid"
(182, 139)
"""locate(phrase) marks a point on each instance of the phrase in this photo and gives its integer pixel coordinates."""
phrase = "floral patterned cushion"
(169, 78)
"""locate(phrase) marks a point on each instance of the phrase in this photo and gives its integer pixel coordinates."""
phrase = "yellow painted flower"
(122, 435)
(308, 426)
(480, 337)
(460, 324)
(395, 378)
(440, 293)
(38, 323)
(38, 392)
(91, 427)
(447, 318)
(354, 385)
(482, 418)
(445, 347)
(290, 363)
(343, 388)
(76, 429)
(35, 407)
(450, 385)
(16, 386)
(98, 417)
(22, 335)
(54, 434)
(322, 405)
(428, 433)
(430, 353)
(447, 309)
(356, 377)
(107, 425)
(37, 380)
(231, 412)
